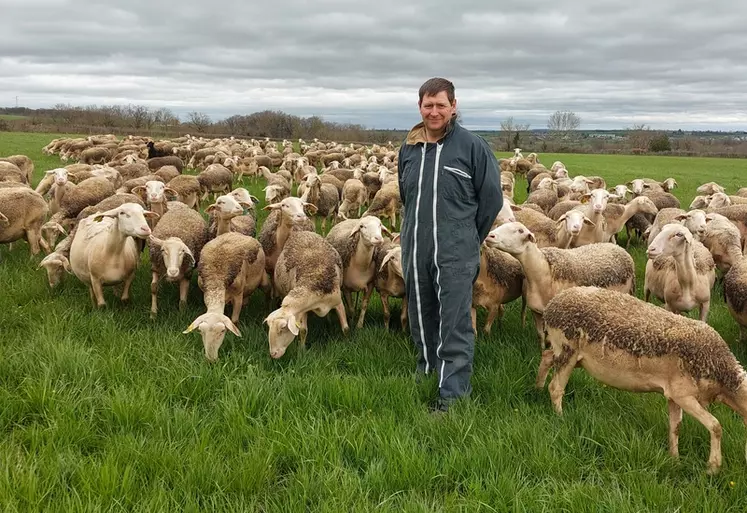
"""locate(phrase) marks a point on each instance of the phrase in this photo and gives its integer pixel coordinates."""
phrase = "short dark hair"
(433, 86)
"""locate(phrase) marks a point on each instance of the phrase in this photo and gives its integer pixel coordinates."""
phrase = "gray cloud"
(667, 63)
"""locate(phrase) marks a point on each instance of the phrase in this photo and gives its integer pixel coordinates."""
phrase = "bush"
(660, 143)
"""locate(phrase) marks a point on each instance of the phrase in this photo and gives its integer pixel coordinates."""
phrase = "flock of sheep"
(556, 251)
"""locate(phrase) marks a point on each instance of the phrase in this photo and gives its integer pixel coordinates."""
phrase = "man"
(450, 189)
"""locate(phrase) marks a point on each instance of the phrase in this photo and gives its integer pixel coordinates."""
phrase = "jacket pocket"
(458, 172)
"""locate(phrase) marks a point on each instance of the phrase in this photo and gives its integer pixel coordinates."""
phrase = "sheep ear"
(396, 238)
(531, 237)
(515, 208)
(585, 198)
(196, 323)
(66, 264)
(385, 229)
(150, 214)
(171, 192)
(312, 208)
(211, 208)
(246, 205)
(191, 256)
(385, 260)
(254, 199)
(589, 221)
(155, 241)
(109, 213)
(138, 191)
(272, 207)
(231, 326)
(293, 324)
(562, 218)
(682, 217)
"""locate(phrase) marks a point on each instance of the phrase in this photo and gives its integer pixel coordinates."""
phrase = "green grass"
(12, 117)
(110, 410)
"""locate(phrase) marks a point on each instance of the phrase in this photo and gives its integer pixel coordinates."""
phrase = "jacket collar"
(417, 133)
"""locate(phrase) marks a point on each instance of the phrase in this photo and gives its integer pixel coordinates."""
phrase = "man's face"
(437, 111)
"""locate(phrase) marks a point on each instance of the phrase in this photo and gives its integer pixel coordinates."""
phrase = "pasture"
(110, 410)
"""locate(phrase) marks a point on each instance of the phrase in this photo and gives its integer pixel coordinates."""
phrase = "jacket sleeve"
(487, 183)
(399, 175)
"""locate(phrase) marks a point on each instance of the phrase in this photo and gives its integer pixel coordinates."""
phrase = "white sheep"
(680, 271)
(684, 359)
(104, 252)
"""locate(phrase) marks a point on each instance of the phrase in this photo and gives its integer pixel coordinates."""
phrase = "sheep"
(737, 214)
(216, 178)
(157, 152)
(569, 226)
(710, 188)
(154, 193)
(285, 217)
(615, 216)
(680, 271)
(94, 155)
(356, 241)
(544, 229)
(166, 173)
(323, 196)
(55, 264)
(386, 202)
(22, 213)
(354, 195)
(662, 199)
(22, 162)
(546, 195)
(156, 163)
(9, 172)
(308, 276)
(187, 189)
(550, 270)
(723, 240)
(636, 226)
(103, 251)
(88, 192)
(499, 282)
(225, 211)
(593, 204)
(735, 295)
(230, 268)
(684, 359)
(175, 242)
(694, 220)
(389, 280)
(130, 184)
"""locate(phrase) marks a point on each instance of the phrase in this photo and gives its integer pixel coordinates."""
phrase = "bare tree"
(639, 136)
(140, 116)
(561, 123)
(510, 136)
(199, 120)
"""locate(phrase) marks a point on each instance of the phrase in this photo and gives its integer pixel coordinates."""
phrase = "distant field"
(11, 117)
(110, 410)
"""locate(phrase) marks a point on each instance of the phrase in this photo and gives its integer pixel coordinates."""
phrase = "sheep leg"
(303, 329)
(126, 288)
(403, 314)
(153, 295)
(544, 368)
(237, 300)
(704, 308)
(32, 236)
(495, 310)
(364, 305)
(691, 405)
(340, 309)
(385, 307)
(98, 292)
(538, 323)
(474, 319)
(560, 380)
(349, 301)
(183, 290)
(675, 417)
(523, 310)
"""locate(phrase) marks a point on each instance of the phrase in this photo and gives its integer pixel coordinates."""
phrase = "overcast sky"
(666, 63)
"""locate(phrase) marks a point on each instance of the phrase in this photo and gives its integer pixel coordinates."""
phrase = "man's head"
(437, 103)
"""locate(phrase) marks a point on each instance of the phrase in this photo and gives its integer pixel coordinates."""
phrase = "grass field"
(108, 410)
(12, 117)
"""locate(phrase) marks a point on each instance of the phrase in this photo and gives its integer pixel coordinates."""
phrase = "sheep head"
(283, 328)
(212, 326)
(574, 221)
(370, 229)
(671, 240)
(131, 219)
(173, 252)
(55, 264)
(512, 238)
